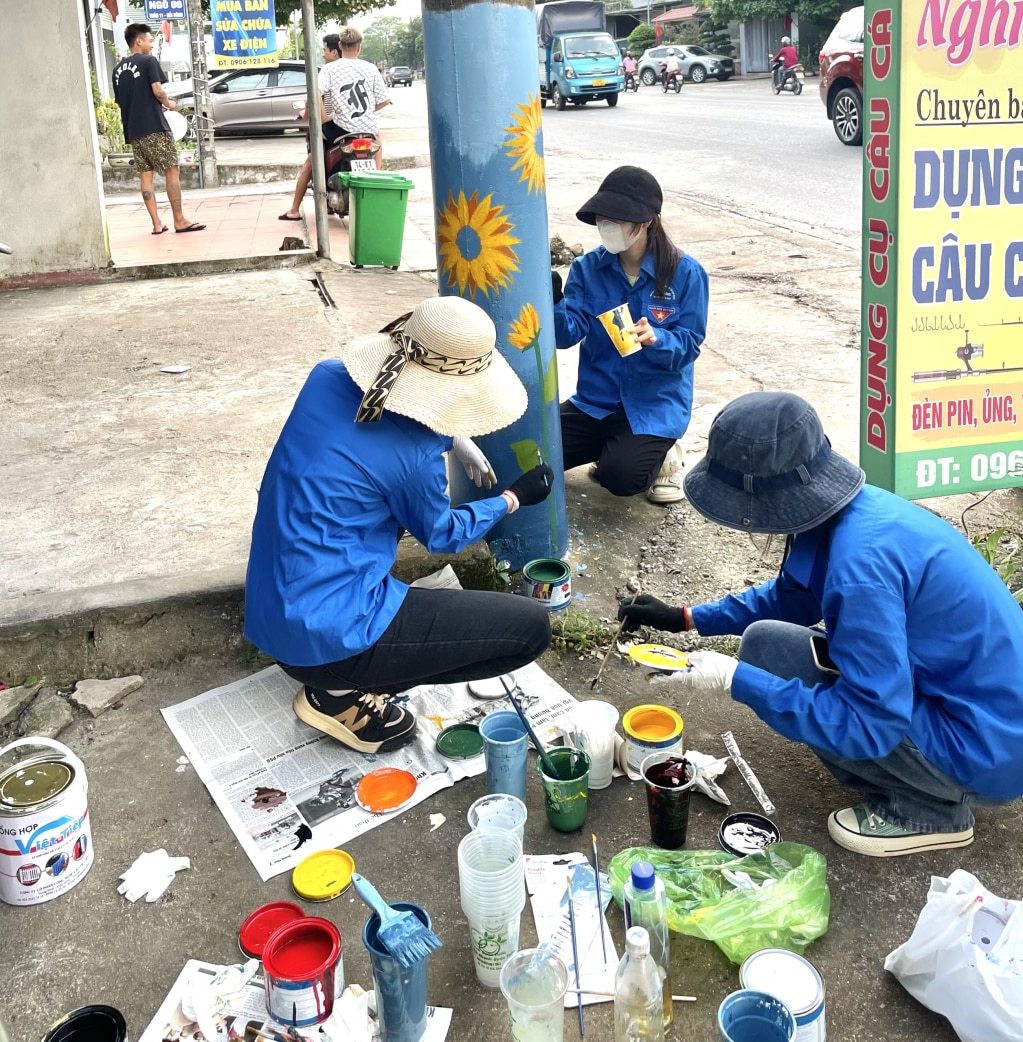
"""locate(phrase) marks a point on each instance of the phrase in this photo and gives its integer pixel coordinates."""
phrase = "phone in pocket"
(821, 655)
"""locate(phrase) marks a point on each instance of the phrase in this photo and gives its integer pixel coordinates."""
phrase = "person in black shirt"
(138, 90)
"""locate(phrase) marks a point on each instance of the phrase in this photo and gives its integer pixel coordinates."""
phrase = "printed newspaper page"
(287, 790)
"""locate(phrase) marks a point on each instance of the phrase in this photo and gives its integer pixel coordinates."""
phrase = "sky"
(403, 9)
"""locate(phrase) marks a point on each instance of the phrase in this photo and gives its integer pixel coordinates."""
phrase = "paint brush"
(548, 765)
(614, 644)
(600, 903)
(575, 956)
(539, 463)
(611, 994)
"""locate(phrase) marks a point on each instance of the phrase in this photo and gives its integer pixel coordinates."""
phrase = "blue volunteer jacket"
(926, 637)
(318, 587)
(655, 385)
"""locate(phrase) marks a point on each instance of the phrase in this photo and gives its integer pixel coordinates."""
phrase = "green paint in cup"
(564, 797)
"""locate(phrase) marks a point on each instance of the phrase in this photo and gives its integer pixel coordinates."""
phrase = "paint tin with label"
(650, 729)
(304, 968)
(793, 980)
(45, 837)
(548, 581)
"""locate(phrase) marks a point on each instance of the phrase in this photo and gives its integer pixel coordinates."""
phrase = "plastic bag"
(776, 899)
(964, 959)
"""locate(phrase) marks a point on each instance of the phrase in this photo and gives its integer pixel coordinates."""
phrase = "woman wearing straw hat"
(360, 458)
(638, 304)
(911, 693)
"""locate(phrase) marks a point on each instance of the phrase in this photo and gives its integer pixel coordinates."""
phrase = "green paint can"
(548, 581)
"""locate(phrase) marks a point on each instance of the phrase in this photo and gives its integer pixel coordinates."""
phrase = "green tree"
(409, 45)
(341, 11)
(380, 40)
(824, 12)
(716, 38)
(642, 37)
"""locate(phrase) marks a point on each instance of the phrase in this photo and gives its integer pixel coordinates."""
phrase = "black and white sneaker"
(368, 723)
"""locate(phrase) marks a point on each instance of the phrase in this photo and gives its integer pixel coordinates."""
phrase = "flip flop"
(287, 217)
(161, 231)
(190, 228)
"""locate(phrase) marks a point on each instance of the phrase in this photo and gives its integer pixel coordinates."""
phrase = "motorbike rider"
(629, 66)
(785, 59)
(672, 65)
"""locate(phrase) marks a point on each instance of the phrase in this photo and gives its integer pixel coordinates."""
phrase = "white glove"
(708, 671)
(150, 874)
(477, 466)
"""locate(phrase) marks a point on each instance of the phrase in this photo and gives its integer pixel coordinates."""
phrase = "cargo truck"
(578, 58)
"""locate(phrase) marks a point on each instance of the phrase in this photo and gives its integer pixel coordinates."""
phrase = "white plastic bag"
(964, 959)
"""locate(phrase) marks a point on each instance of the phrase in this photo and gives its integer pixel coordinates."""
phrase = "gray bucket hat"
(769, 467)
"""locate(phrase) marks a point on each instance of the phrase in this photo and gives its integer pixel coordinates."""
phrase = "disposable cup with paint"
(618, 325)
(400, 991)
(304, 969)
(494, 940)
(548, 581)
(504, 748)
(564, 797)
(498, 811)
(794, 981)
(533, 983)
(669, 784)
(593, 730)
(755, 1016)
(650, 729)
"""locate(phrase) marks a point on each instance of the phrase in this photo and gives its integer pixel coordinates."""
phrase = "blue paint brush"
(575, 956)
(548, 765)
(600, 903)
(401, 933)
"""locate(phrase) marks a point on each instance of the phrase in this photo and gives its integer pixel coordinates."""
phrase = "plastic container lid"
(379, 179)
(643, 876)
(785, 975)
(460, 741)
(659, 656)
(747, 833)
(385, 790)
(323, 876)
(256, 929)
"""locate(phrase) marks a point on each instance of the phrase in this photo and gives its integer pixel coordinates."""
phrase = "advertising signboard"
(166, 10)
(942, 359)
(244, 34)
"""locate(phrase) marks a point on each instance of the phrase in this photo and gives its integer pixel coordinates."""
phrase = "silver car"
(697, 63)
(254, 99)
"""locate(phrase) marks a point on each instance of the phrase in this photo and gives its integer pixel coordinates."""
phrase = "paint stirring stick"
(600, 903)
(575, 955)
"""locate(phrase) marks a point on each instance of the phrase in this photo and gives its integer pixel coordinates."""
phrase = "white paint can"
(793, 980)
(45, 835)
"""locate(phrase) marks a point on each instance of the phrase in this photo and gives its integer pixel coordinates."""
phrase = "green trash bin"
(376, 217)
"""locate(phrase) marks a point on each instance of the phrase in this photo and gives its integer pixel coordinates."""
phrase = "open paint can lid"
(659, 656)
(385, 790)
(256, 930)
(89, 1024)
(460, 741)
(323, 876)
(747, 833)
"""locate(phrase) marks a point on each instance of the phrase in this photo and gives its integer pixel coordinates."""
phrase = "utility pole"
(208, 177)
(312, 91)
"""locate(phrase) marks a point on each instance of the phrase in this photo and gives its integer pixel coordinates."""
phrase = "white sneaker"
(591, 471)
(667, 486)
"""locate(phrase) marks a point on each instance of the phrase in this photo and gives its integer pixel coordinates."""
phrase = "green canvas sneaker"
(863, 832)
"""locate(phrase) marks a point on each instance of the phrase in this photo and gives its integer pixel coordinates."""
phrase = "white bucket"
(45, 835)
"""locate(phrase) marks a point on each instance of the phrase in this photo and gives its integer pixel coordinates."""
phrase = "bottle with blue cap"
(638, 992)
(646, 905)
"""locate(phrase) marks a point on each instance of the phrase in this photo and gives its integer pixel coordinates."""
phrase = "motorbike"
(631, 82)
(350, 153)
(672, 81)
(790, 79)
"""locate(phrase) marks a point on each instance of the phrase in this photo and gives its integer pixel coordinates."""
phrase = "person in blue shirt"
(359, 460)
(912, 692)
(635, 386)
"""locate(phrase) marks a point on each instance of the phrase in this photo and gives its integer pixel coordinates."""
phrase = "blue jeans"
(902, 787)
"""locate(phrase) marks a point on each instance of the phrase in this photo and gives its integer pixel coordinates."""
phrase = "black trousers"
(627, 463)
(441, 637)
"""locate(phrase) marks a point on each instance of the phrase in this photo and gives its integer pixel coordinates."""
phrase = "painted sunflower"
(525, 329)
(475, 245)
(525, 145)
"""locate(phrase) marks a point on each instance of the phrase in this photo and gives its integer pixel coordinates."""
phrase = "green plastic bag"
(706, 897)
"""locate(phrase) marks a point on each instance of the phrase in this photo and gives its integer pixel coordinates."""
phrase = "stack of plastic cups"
(492, 886)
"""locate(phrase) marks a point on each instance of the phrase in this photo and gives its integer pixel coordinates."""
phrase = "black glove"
(649, 611)
(534, 486)
(556, 285)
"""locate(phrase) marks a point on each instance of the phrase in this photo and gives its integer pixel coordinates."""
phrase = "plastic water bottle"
(638, 1003)
(646, 905)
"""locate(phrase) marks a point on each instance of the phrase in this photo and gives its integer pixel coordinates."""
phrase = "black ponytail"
(666, 256)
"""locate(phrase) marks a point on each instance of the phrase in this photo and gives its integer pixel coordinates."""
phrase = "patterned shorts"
(155, 152)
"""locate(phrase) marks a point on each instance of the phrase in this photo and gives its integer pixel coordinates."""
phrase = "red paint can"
(304, 969)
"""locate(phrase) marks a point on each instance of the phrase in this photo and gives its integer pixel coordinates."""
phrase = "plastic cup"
(564, 797)
(498, 811)
(533, 983)
(401, 992)
(593, 725)
(755, 1016)
(667, 805)
(490, 874)
(504, 749)
(494, 940)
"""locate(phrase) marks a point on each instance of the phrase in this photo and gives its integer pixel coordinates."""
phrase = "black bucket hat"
(769, 468)
(626, 194)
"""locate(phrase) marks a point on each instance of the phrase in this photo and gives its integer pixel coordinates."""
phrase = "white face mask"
(615, 237)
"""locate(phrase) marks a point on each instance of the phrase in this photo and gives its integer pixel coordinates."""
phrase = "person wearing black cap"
(912, 692)
(635, 385)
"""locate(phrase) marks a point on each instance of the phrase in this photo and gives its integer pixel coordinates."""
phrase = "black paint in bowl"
(747, 833)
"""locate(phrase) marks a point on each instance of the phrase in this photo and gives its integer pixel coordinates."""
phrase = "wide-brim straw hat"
(438, 365)
(770, 469)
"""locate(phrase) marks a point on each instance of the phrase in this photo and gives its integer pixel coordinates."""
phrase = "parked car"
(399, 74)
(254, 99)
(697, 63)
(841, 82)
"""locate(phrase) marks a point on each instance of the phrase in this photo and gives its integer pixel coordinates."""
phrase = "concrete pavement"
(128, 496)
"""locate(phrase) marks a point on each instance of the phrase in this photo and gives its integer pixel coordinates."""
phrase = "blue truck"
(578, 58)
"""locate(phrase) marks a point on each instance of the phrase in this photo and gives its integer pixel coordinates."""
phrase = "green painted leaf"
(527, 453)
(550, 380)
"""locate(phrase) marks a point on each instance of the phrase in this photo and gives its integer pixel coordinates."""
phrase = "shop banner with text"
(942, 358)
(244, 34)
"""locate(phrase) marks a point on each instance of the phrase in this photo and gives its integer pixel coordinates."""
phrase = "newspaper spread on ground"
(287, 790)
(243, 1016)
